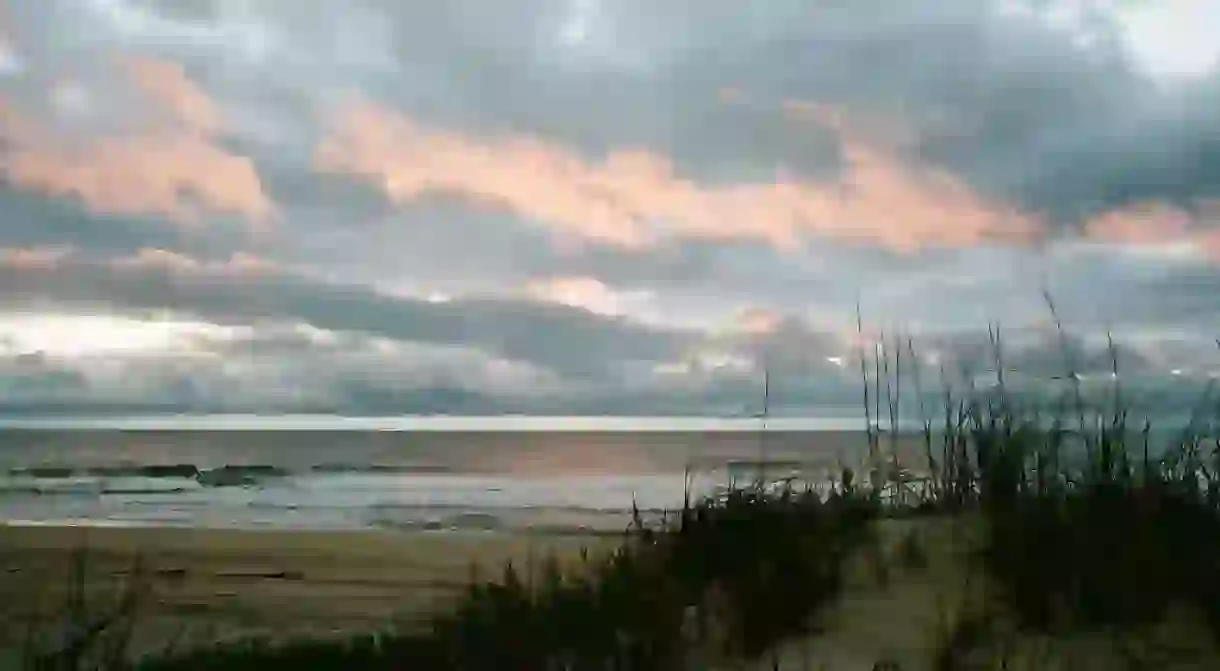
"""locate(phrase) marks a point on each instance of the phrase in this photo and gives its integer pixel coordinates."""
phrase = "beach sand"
(205, 585)
(211, 585)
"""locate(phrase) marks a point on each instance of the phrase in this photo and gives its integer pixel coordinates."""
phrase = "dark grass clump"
(627, 615)
(769, 561)
(1113, 544)
(912, 555)
(1088, 539)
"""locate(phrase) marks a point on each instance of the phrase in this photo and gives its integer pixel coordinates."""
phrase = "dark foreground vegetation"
(1085, 529)
(728, 578)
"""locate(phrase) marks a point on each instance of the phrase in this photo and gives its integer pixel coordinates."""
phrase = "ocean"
(410, 473)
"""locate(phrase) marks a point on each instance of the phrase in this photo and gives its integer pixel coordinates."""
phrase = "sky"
(598, 206)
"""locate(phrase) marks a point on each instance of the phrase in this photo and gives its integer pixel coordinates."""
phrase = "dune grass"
(1088, 528)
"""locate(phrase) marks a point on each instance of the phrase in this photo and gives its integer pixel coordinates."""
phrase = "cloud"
(129, 365)
(1153, 226)
(160, 260)
(793, 353)
(588, 293)
(633, 198)
(143, 175)
(166, 84)
(759, 321)
(1072, 134)
(239, 290)
(33, 220)
(175, 167)
(379, 361)
(33, 258)
(33, 379)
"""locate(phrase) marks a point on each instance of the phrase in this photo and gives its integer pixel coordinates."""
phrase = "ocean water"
(431, 474)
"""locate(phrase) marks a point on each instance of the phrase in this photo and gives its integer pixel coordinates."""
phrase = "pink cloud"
(244, 263)
(167, 86)
(33, 258)
(183, 177)
(1141, 224)
(174, 169)
(634, 197)
(757, 321)
(159, 259)
(1156, 225)
(239, 264)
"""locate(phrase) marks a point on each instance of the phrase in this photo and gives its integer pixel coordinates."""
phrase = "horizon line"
(455, 423)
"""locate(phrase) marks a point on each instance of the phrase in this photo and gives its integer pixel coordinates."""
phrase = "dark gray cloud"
(29, 221)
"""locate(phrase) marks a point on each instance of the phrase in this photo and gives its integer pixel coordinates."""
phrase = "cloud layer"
(585, 206)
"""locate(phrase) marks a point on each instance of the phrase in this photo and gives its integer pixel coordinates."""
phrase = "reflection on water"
(498, 424)
(493, 451)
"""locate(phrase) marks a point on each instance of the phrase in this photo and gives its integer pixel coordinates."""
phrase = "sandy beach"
(209, 585)
(205, 585)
